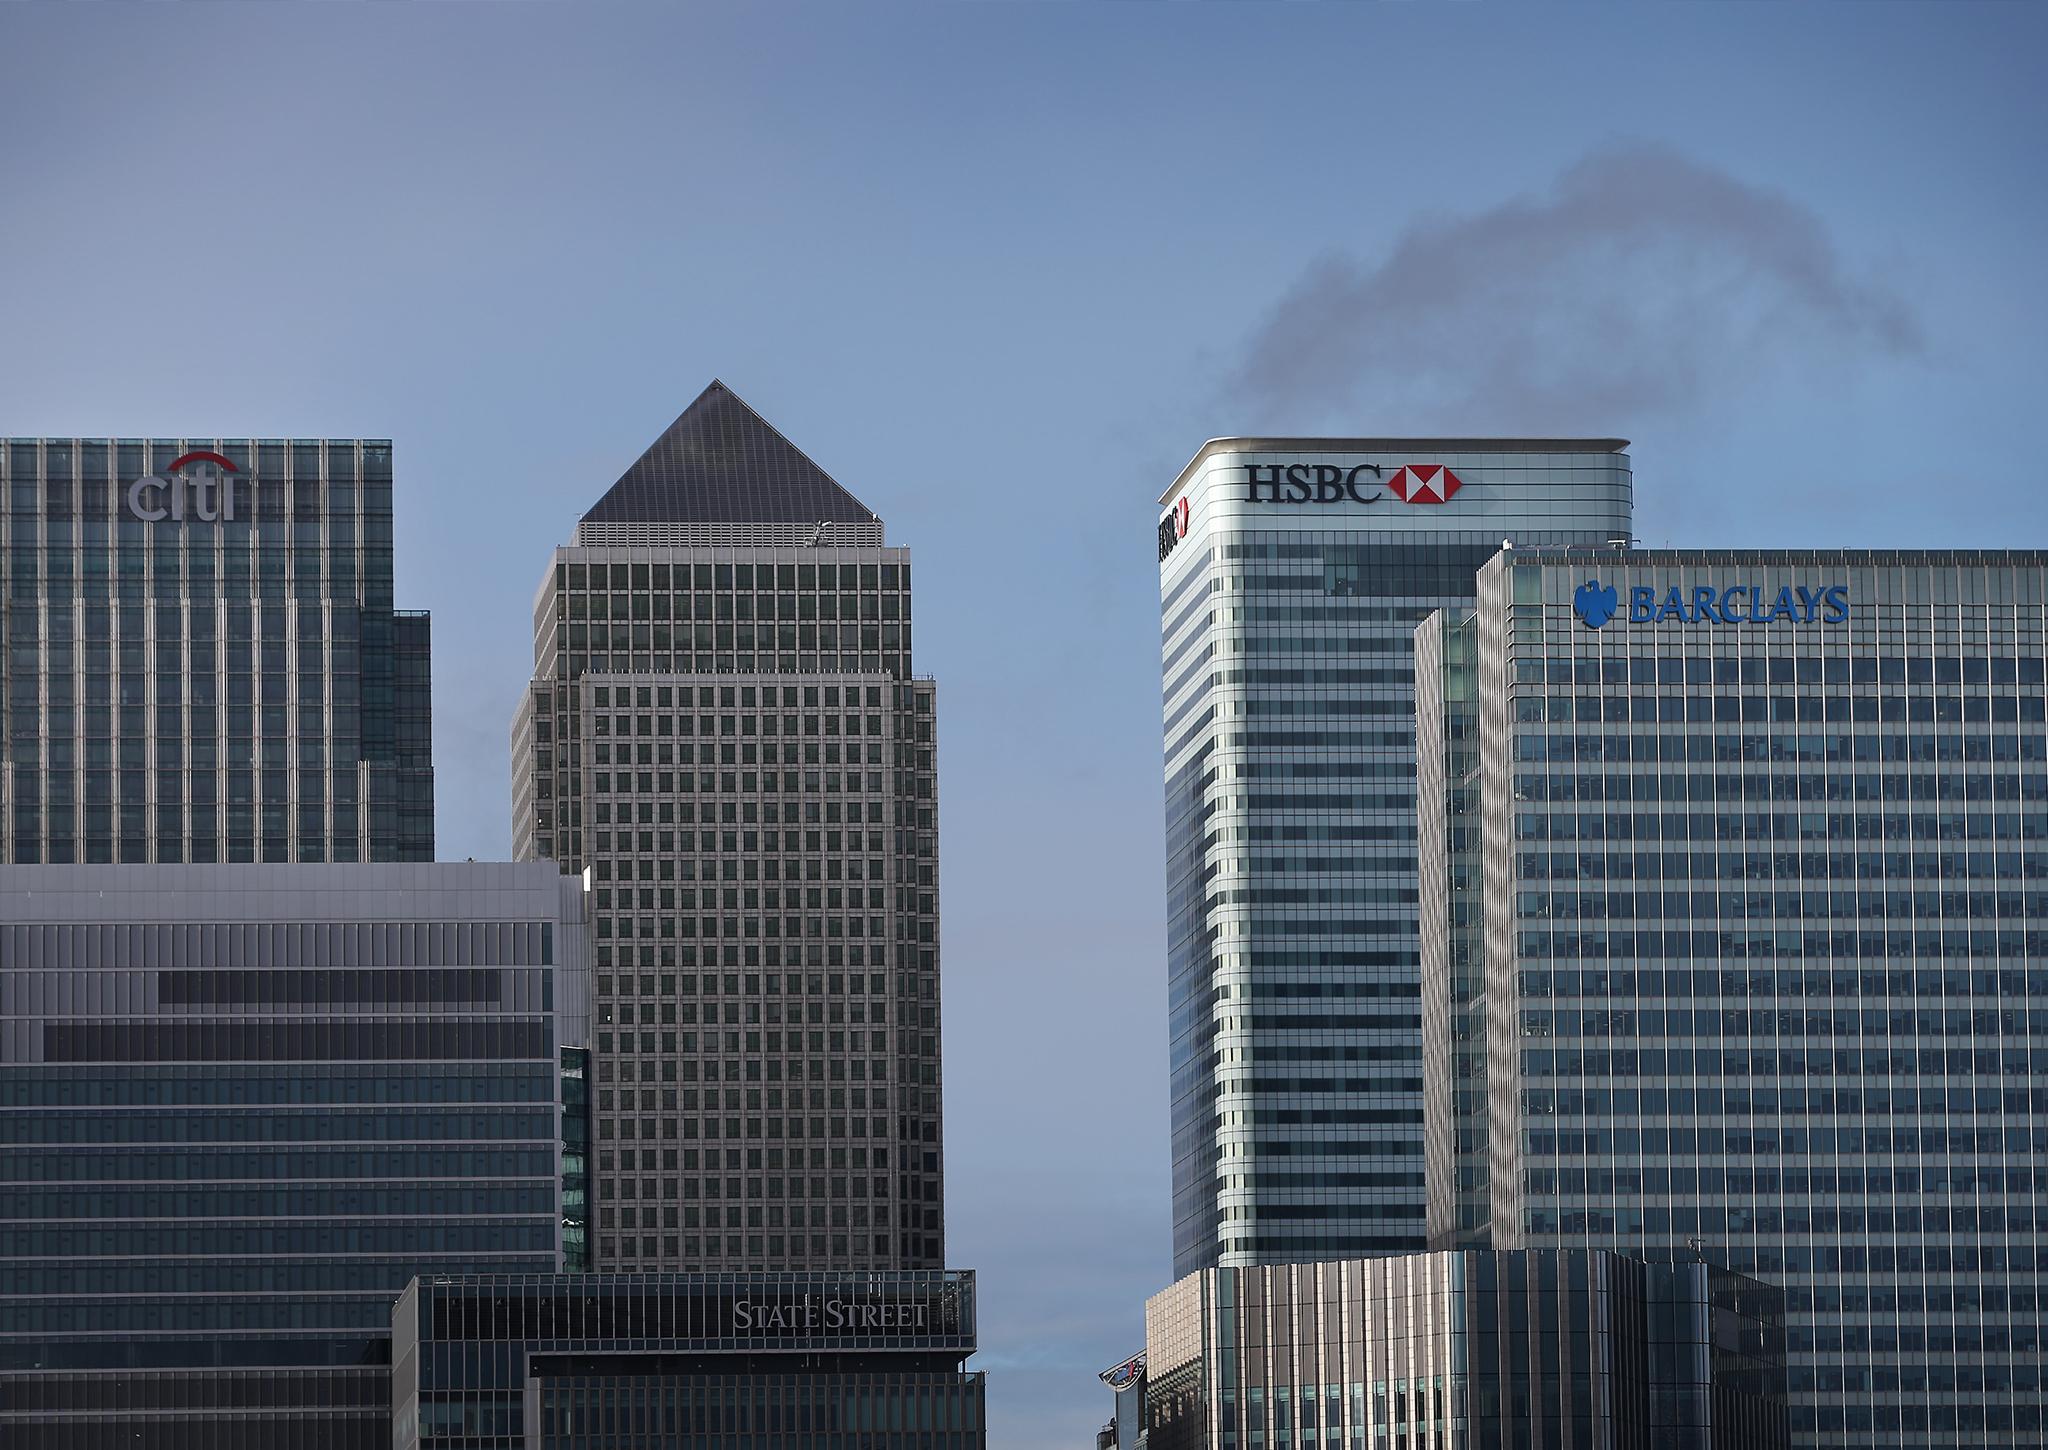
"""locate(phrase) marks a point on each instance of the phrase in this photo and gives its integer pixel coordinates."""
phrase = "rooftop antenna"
(817, 533)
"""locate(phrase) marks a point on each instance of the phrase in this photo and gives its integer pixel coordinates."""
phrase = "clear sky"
(1000, 270)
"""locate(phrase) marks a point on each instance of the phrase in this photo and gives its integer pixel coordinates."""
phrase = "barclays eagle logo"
(1593, 604)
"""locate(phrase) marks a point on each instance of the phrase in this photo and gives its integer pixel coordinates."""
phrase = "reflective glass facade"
(726, 733)
(1454, 1104)
(821, 1361)
(1467, 1351)
(1292, 573)
(199, 657)
(241, 1107)
(1759, 890)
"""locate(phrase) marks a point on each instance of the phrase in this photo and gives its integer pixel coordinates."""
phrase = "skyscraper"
(724, 731)
(201, 659)
(1292, 572)
(1743, 852)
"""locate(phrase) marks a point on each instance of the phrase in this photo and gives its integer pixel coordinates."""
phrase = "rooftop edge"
(1239, 444)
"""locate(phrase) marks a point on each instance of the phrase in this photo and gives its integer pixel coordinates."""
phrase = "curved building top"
(1548, 490)
(1388, 445)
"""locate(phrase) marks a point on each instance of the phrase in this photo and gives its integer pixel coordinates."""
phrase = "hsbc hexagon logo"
(1325, 483)
(1424, 483)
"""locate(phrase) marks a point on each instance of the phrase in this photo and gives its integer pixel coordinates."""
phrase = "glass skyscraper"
(1743, 858)
(1292, 574)
(199, 656)
(241, 1107)
(724, 731)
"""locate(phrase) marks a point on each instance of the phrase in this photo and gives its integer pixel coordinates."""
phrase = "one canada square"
(724, 731)
(1291, 574)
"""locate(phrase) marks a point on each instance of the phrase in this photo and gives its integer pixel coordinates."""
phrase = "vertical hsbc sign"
(1173, 528)
(197, 485)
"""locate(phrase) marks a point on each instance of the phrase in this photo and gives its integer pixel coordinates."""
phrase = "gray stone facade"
(724, 733)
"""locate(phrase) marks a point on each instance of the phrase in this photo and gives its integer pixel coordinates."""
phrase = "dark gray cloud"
(1642, 281)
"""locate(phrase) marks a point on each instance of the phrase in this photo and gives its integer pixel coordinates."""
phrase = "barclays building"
(1735, 949)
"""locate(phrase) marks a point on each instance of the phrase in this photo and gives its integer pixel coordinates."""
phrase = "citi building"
(200, 660)
(1292, 573)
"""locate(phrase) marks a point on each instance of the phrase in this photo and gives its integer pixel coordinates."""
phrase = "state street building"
(1741, 953)
(1292, 572)
(199, 657)
(642, 1361)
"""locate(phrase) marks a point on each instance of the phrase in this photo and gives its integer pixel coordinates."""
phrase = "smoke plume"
(1642, 282)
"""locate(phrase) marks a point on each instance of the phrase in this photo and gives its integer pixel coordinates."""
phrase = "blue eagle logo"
(1593, 604)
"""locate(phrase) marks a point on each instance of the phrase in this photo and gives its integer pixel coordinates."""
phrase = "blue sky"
(1001, 269)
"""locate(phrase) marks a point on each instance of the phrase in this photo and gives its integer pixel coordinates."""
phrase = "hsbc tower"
(1292, 572)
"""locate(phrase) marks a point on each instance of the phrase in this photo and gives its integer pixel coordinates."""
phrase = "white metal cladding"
(1288, 762)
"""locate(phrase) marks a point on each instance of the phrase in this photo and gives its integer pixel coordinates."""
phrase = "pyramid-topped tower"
(725, 735)
(722, 474)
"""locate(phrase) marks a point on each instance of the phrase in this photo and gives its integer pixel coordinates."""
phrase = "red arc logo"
(201, 457)
(1424, 483)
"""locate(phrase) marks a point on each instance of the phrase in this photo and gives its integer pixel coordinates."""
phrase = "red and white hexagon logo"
(1424, 483)
(1180, 519)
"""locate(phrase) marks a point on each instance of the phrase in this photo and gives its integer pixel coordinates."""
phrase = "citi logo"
(201, 485)
(1320, 483)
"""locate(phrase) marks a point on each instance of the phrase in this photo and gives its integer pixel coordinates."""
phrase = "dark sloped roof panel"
(722, 463)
